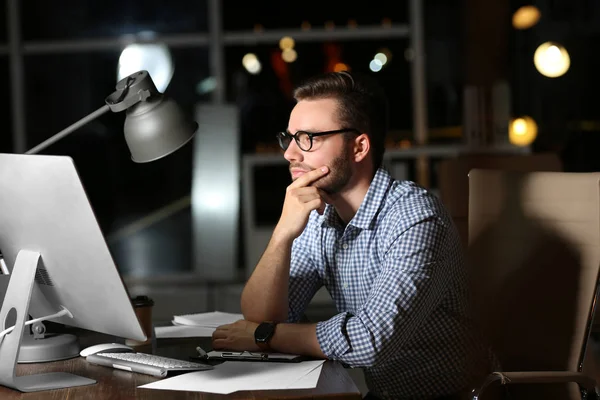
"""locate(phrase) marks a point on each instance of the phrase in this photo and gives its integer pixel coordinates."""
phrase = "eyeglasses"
(304, 140)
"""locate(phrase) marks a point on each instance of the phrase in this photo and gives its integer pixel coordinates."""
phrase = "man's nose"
(293, 152)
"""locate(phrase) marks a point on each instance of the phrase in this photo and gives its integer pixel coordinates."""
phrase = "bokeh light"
(526, 17)
(375, 65)
(522, 131)
(251, 63)
(339, 67)
(286, 42)
(381, 57)
(289, 55)
(551, 59)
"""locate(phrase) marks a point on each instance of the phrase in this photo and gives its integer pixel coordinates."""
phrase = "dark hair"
(362, 104)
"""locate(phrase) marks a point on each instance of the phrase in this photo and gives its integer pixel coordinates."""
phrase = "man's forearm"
(265, 296)
(296, 339)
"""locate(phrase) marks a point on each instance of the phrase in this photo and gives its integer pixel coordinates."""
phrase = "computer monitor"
(57, 257)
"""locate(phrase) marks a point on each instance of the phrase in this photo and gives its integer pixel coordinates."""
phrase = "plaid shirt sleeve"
(413, 278)
(304, 279)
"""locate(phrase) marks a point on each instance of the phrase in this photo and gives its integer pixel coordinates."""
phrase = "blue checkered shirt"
(397, 277)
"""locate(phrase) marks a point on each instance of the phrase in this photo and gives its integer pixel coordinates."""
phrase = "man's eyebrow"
(308, 130)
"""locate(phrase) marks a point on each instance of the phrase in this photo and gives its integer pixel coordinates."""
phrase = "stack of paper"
(232, 376)
(196, 325)
(207, 320)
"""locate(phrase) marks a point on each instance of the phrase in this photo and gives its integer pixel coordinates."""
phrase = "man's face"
(330, 150)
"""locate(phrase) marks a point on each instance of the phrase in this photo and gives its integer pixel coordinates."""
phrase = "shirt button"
(345, 246)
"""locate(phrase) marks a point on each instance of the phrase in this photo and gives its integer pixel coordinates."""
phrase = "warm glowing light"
(405, 144)
(305, 26)
(551, 59)
(339, 67)
(526, 17)
(251, 63)
(289, 55)
(154, 58)
(381, 57)
(522, 131)
(286, 42)
(258, 28)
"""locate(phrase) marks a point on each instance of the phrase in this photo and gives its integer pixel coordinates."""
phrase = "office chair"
(534, 259)
(454, 181)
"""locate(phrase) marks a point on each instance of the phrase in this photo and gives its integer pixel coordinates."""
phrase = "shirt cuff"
(333, 337)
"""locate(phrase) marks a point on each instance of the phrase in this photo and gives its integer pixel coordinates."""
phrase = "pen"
(201, 352)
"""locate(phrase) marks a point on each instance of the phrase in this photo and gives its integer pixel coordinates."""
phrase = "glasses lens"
(284, 140)
(303, 140)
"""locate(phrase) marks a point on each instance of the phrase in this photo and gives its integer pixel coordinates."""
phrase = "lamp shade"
(154, 125)
(155, 128)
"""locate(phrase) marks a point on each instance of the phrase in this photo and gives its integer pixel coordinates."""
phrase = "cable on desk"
(61, 313)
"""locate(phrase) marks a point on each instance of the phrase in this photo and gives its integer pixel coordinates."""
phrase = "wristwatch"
(263, 334)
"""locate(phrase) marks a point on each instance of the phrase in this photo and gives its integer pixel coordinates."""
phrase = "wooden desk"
(334, 383)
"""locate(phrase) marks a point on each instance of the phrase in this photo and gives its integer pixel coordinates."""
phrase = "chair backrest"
(454, 181)
(534, 258)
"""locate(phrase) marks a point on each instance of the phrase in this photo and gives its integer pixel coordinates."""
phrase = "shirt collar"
(370, 206)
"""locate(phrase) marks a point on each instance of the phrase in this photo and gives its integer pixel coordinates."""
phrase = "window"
(273, 14)
(88, 19)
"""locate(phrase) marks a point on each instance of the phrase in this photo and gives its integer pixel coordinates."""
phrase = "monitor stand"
(47, 347)
(16, 307)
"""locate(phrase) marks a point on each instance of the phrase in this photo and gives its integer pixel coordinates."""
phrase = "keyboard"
(145, 363)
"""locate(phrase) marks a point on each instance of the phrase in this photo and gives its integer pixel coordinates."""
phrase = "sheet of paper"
(208, 319)
(290, 380)
(233, 376)
(309, 380)
(182, 331)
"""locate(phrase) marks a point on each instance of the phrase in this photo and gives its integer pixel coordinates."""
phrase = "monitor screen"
(44, 209)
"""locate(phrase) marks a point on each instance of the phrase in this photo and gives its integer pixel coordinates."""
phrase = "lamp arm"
(102, 110)
(130, 91)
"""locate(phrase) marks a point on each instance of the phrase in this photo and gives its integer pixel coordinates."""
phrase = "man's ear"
(362, 145)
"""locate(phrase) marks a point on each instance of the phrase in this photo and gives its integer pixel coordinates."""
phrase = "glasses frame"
(311, 135)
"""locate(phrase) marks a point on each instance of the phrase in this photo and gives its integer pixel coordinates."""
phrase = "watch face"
(264, 331)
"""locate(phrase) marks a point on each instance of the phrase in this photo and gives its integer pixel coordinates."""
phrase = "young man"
(386, 251)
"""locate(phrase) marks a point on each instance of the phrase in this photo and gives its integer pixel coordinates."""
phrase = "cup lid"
(141, 301)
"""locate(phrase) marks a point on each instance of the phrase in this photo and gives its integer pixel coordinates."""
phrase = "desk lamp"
(154, 128)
